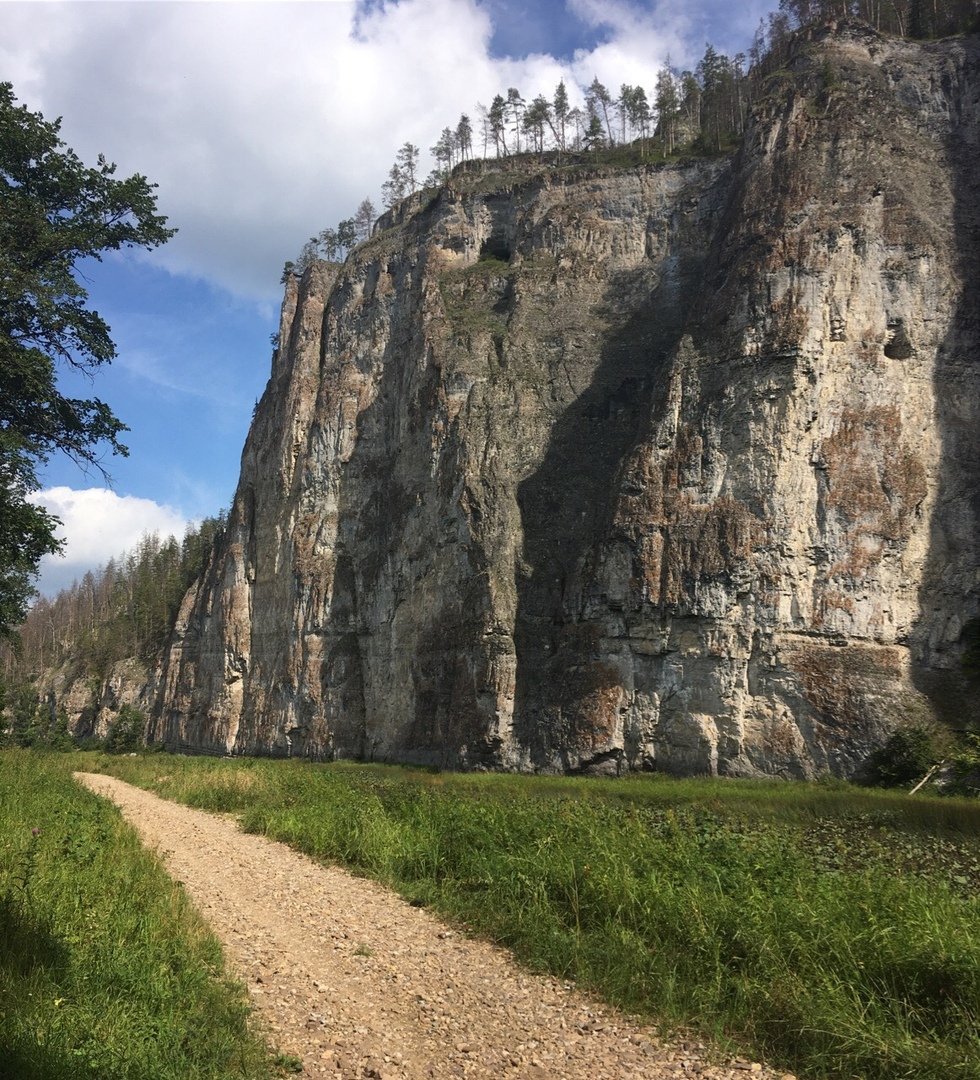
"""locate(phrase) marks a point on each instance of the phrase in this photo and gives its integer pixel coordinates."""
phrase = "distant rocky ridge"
(667, 467)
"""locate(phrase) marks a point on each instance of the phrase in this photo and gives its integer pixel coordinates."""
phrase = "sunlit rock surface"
(672, 467)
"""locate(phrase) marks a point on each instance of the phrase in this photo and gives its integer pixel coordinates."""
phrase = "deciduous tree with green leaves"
(54, 212)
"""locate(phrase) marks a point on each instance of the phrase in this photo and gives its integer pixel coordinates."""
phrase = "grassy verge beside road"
(834, 930)
(105, 970)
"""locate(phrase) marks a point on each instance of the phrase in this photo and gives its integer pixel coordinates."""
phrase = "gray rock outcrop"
(665, 467)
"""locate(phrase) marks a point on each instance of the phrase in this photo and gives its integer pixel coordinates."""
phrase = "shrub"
(907, 756)
(126, 732)
(965, 768)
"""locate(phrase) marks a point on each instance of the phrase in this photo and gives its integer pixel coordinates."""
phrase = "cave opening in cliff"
(495, 247)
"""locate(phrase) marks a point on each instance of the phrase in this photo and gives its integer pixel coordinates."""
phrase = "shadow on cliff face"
(949, 596)
(403, 658)
(564, 690)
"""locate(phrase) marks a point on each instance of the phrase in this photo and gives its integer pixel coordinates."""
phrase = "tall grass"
(835, 931)
(105, 970)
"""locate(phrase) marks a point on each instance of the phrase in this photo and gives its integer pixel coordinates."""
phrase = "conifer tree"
(497, 117)
(408, 163)
(54, 212)
(464, 137)
(560, 110)
(328, 244)
(536, 118)
(393, 189)
(364, 220)
(667, 107)
(515, 108)
(595, 136)
(599, 102)
(346, 234)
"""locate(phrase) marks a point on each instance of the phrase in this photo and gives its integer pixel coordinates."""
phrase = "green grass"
(834, 930)
(105, 970)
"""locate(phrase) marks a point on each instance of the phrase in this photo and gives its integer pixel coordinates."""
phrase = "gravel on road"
(359, 984)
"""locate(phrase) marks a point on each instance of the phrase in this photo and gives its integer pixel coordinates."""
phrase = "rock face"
(92, 704)
(671, 467)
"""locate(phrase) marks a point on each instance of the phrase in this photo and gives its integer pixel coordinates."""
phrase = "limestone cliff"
(670, 467)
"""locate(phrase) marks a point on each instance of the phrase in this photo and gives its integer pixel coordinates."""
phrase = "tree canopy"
(704, 109)
(54, 212)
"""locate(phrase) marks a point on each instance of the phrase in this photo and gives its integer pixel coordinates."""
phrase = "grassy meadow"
(106, 973)
(833, 930)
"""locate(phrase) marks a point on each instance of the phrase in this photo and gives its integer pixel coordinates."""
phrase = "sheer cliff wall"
(669, 467)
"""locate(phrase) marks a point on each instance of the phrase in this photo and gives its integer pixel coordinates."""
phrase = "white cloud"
(264, 122)
(98, 525)
(633, 32)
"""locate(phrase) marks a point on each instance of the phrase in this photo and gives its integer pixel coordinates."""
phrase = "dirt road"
(357, 983)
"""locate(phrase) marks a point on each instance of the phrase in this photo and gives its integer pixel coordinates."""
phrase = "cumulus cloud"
(264, 123)
(98, 525)
(634, 33)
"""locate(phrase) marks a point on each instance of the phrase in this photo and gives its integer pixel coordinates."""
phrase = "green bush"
(905, 758)
(125, 734)
(965, 768)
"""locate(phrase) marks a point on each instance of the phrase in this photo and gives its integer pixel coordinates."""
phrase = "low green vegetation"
(917, 752)
(833, 930)
(105, 970)
(471, 296)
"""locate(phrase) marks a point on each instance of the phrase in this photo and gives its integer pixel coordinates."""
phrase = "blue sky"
(262, 123)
